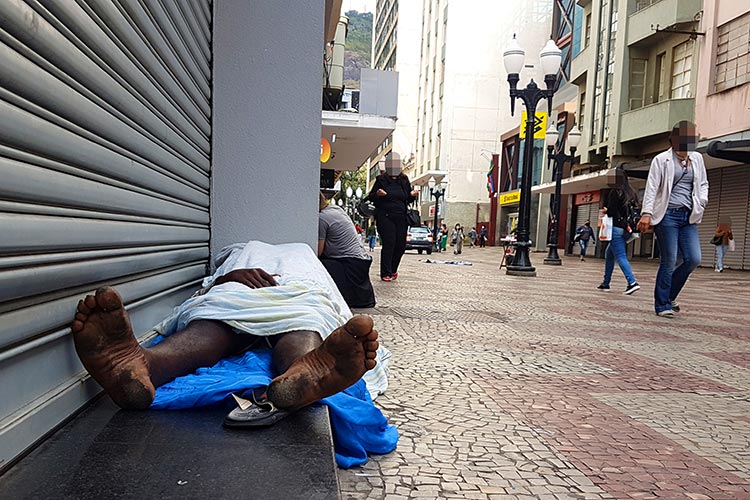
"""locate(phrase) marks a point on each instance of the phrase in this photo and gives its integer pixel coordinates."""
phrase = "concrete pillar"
(268, 58)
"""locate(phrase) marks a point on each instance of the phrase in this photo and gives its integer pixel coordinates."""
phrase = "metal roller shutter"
(707, 227)
(105, 129)
(735, 187)
(584, 213)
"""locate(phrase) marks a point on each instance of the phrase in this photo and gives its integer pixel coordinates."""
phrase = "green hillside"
(358, 46)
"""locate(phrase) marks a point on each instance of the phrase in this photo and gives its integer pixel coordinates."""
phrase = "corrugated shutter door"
(707, 227)
(584, 213)
(735, 189)
(105, 128)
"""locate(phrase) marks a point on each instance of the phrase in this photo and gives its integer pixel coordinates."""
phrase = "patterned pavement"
(545, 388)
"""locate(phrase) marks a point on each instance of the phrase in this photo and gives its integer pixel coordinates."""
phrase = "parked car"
(419, 238)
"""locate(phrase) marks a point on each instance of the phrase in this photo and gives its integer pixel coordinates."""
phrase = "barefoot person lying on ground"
(278, 292)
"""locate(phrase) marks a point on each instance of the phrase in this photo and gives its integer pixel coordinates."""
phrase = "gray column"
(266, 121)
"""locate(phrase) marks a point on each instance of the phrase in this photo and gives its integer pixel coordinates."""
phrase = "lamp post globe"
(359, 192)
(349, 192)
(531, 96)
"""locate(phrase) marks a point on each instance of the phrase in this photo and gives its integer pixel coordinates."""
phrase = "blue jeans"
(583, 245)
(675, 234)
(616, 252)
(721, 250)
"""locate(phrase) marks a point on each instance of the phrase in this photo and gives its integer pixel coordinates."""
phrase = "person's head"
(623, 185)
(458, 226)
(322, 202)
(683, 137)
(393, 165)
(587, 223)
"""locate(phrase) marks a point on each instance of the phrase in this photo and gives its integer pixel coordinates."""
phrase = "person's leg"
(108, 349)
(609, 265)
(619, 236)
(399, 246)
(582, 245)
(387, 230)
(689, 244)
(667, 232)
(311, 369)
(720, 251)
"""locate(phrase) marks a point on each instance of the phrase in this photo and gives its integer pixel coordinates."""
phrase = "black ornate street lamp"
(557, 158)
(436, 191)
(513, 57)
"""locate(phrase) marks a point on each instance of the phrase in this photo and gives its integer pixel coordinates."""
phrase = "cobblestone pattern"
(544, 388)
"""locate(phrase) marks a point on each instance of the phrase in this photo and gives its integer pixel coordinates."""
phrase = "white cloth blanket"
(306, 299)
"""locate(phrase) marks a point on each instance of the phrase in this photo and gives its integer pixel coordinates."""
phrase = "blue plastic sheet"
(358, 426)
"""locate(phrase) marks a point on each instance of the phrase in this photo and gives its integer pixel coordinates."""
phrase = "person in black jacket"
(620, 202)
(391, 195)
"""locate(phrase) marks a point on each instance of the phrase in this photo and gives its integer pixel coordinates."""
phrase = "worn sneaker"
(632, 288)
(667, 313)
(386, 278)
(675, 306)
(603, 287)
(394, 276)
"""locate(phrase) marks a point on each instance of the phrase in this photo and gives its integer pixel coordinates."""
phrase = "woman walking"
(620, 202)
(723, 234)
(391, 194)
(458, 237)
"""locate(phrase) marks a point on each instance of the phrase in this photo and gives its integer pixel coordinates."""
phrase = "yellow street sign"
(510, 198)
(540, 125)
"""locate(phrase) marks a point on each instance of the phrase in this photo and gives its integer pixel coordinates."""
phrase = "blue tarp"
(358, 426)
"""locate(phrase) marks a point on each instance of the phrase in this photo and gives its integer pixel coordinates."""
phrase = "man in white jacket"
(676, 195)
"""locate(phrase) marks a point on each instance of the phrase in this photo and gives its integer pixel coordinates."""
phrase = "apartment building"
(636, 76)
(722, 116)
(463, 103)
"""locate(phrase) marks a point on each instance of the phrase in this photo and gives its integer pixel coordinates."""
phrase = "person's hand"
(644, 224)
(380, 192)
(252, 278)
(414, 193)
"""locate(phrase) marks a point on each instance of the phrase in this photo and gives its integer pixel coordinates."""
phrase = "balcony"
(655, 119)
(664, 13)
(581, 64)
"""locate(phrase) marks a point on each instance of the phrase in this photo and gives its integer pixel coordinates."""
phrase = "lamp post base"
(553, 259)
(526, 272)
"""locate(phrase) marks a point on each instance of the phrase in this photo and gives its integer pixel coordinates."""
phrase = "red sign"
(587, 198)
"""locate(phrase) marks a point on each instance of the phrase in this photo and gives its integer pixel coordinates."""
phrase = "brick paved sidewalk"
(507, 387)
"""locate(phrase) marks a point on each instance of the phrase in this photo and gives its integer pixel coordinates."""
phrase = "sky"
(358, 5)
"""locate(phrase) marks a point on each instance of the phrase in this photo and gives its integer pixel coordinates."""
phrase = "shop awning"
(593, 181)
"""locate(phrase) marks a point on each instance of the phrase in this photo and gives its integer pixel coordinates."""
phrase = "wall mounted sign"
(325, 150)
(587, 198)
(510, 198)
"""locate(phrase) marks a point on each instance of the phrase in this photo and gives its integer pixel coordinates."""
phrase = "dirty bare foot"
(336, 364)
(108, 349)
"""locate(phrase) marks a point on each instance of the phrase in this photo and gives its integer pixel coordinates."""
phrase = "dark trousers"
(352, 278)
(392, 228)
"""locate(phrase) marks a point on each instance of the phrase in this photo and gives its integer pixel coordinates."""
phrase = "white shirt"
(659, 186)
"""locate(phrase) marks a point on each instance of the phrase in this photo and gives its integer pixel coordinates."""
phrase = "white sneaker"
(632, 237)
(667, 313)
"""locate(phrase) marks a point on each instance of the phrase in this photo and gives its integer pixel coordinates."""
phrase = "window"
(660, 77)
(682, 62)
(733, 54)
(582, 111)
(642, 4)
(637, 82)
(588, 30)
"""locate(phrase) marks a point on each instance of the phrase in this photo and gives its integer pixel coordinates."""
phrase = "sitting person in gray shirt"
(342, 254)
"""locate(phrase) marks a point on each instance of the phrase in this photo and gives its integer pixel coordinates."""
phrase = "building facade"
(722, 116)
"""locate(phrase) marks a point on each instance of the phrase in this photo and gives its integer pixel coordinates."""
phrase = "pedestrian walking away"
(583, 235)
(443, 238)
(723, 237)
(391, 194)
(619, 205)
(372, 236)
(673, 203)
(472, 237)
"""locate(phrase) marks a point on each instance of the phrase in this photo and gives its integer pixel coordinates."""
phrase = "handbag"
(732, 246)
(366, 208)
(717, 240)
(605, 228)
(413, 217)
(577, 237)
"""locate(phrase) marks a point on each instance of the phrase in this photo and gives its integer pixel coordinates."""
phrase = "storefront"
(585, 208)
